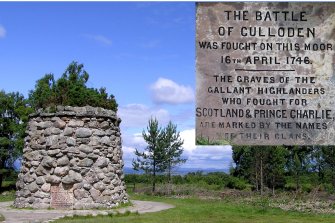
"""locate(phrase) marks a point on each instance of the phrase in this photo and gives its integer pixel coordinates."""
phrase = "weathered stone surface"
(34, 155)
(85, 162)
(106, 180)
(28, 178)
(53, 152)
(52, 179)
(72, 150)
(61, 171)
(40, 171)
(48, 162)
(40, 180)
(87, 186)
(32, 187)
(72, 177)
(94, 193)
(94, 141)
(70, 141)
(81, 155)
(85, 148)
(52, 140)
(68, 131)
(44, 125)
(41, 194)
(55, 131)
(59, 123)
(83, 133)
(63, 161)
(76, 123)
(99, 186)
(46, 187)
(92, 178)
(23, 193)
(104, 125)
(99, 133)
(35, 163)
(105, 140)
(92, 156)
(107, 192)
(80, 193)
(101, 162)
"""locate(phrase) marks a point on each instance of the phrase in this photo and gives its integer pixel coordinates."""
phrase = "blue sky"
(143, 53)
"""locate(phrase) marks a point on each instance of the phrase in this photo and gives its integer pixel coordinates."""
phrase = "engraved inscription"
(265, 73)
(61, 198)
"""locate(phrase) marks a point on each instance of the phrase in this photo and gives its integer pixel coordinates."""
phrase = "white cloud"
(218, 157)
(137, 115)
(128, 155)
(135, 140)
(100, 39)
(201, 157)
(167, 91)
(3, 32)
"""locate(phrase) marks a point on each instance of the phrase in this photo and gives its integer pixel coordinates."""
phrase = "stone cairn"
(72, 159)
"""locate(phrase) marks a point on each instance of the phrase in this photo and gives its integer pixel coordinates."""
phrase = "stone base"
(72, 159)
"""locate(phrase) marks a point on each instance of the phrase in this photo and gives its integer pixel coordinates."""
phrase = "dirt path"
(13, 215)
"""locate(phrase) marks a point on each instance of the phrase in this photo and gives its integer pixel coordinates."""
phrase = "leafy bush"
(69, 90)
(327, 187)
(307, 187)
(290, 186)
(236, 183)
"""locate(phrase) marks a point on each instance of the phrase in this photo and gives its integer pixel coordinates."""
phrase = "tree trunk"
(1, 178)
(256, 177)
(169, 178)
(273, 186)
(261, 173)
(154, 179)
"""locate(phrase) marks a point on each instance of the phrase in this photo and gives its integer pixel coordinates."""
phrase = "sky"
(142, 52)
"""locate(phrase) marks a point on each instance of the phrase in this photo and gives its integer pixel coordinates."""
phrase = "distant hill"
(179, 171)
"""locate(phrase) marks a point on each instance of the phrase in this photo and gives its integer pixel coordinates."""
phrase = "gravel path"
(13, 215)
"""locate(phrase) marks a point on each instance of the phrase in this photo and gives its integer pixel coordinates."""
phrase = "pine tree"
(163, 151)
(151, 160)
(173, 148)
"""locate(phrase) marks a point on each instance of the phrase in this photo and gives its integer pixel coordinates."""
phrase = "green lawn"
(208, 211)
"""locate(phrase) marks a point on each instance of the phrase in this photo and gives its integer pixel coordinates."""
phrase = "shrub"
(69, 90)
(328, 187)
(290, 186)
(236, 183)
(307, 187)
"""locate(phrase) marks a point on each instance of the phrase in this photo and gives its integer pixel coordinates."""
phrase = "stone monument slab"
(61, 198)
(265, 73)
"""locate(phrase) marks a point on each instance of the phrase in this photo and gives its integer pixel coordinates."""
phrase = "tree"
(299, 163)
(163, 151)
(276, 166)
(70, 90)
(152, 159)
(14, 112)
(263, 166)
(173, 148)
(329, 159)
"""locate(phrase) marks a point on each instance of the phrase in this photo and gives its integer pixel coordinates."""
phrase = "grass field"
(189, 210)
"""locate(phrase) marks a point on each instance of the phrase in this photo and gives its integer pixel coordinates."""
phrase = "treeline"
(214, 180)
(263, 169)
(299, 168)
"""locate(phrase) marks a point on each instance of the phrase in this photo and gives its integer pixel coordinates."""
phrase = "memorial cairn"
(72, 159)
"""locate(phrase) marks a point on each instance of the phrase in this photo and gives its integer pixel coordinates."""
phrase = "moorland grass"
(189, 210)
